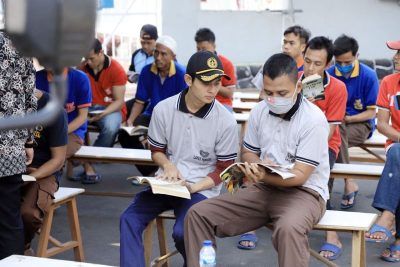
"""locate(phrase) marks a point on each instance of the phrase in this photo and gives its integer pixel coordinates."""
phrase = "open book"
(163, 187)
(28, 178)
(95, 112)
(313, 86)
(135, 130)
(234, 178)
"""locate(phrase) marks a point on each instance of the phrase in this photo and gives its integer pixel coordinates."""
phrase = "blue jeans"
(387, 195)
(109, 127)
(144, 208)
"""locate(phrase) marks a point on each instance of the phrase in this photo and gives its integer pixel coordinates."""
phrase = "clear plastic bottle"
(207, 255)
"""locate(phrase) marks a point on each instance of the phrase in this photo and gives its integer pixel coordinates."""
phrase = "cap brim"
(211, 76)
(395, 45)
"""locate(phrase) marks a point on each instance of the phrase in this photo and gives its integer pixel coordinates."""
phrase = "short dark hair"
(297, 30)
(344, 44)
(281, 64)
(319, 43)
(97, 46)
(204, 35)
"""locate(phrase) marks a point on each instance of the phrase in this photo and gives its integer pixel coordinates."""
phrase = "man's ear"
(188, 80)
(303, 48)
(299, 86)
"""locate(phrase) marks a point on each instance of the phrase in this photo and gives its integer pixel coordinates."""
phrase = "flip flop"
(391, 258)
(378, 228)
(91, 179)
(247, 237)
(337, 251)
(348, 197)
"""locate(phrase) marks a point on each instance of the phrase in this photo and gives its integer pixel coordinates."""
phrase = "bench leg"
(324, 260)
(44, 236)
(75, 229)
(147, 243)
(162, 241)
(358, 249)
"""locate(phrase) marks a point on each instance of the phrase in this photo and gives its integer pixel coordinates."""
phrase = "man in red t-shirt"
(107, 81)
(387, 196)
(205, 40)
(317, 56)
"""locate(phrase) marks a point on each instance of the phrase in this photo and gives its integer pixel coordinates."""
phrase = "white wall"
(250, 37)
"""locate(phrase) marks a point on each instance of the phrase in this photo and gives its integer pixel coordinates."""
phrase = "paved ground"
(99, 220)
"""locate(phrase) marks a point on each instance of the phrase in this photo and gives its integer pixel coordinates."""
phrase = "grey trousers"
(292, 212)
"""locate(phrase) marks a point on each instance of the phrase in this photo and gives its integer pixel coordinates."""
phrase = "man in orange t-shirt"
(387, 197)
(205, 40)
(107, 81)
(317, 56)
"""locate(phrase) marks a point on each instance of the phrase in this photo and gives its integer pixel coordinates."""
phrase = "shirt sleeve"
(336, 108)
(141, 92)
(229, 69)
(28, 82)
(84, 93)
(258, 80)
(371, 92)
(157, 135)
(313, 142)
(58, 131)
(383, 101)
(251, 141)
(119, 77)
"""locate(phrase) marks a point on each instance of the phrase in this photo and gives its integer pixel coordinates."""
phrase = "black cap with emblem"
(205, 66)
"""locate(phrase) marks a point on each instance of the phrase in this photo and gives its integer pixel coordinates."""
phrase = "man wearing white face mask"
(286, 129)
(362, 88)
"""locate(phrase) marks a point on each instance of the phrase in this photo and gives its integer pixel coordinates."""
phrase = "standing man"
(205, 40)
(77, 105)
(158, 81)
(284, 129)
(192, 139)
(317, 57)
(17, 83)
(46, 167)
(362, 89)
(107, 81)
(143, 56)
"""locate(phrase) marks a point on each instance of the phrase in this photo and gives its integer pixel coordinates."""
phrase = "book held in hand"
(313, 87)
(135, 130)
(233, 177)
(28, 178)
(163, 187)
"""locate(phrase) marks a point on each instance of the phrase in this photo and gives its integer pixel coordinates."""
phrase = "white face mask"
(281, 105)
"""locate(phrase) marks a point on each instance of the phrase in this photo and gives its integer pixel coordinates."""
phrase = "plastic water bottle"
(207, 255)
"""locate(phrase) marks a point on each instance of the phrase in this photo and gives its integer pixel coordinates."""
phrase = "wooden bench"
(247, 96)
(67, 196)
(27, 261)
(356, 171)
(357, 223)
(371, 146)
(239, 106)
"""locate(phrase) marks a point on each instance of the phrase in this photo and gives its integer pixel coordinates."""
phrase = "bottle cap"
(207, 243)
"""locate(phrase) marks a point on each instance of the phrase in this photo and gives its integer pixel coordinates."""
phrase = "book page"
(283, 171)
(135, 130)
(313, 87)
(28, 178)
(159, 186)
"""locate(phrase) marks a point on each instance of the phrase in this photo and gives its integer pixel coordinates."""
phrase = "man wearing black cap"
(192, 138)
(143, 56)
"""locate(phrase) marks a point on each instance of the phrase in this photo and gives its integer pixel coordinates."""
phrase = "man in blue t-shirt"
(78, 101)
(362, 88)
(158, 81)
(48, 160)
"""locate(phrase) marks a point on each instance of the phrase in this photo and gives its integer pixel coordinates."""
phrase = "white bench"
(357, 223)
(239, 106)
(372, 147)
(26, 261)
(356, 171)
(64, 195)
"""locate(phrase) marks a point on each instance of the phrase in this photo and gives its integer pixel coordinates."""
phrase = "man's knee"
(288, 229)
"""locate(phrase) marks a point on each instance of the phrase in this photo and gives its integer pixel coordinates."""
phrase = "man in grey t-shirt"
(192, 139)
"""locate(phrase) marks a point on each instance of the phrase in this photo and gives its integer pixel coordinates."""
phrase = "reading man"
(192, 138)
(285, 129)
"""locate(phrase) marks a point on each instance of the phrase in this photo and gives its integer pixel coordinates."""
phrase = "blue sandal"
(337, 251)
(378, 228)
(247, 237)
(391, 258)
(91, 179)
(351, 196)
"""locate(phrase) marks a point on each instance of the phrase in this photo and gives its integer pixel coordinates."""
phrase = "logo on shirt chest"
(69, 107)
(358, 105)
(204, 156)
(290, 157)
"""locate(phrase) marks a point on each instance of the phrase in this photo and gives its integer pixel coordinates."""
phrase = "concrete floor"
(99, 220)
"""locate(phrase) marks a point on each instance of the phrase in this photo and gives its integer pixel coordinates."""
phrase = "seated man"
(49, 157)
(387, 197)
(158, 81)
(77, 104)
(284, 129)
(107, 81)
(192, 138)
(362, 89)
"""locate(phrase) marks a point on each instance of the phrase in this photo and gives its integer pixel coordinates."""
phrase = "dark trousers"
(11, 227)
(332, 160)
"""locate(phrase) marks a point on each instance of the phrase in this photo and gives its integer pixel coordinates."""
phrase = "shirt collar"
(355, 72)
(106, 64)
(292, 111)
(201, 113)
(172, 69)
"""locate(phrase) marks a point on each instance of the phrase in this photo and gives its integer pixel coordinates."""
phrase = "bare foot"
(331, 238)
